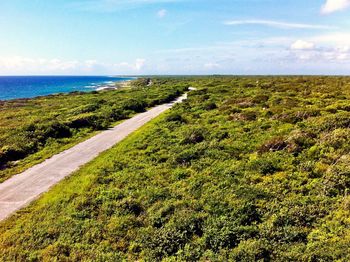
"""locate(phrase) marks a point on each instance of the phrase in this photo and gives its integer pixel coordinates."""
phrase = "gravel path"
(20, 190)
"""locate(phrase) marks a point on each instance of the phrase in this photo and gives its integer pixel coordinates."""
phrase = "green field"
(247, 169)
(32, 130)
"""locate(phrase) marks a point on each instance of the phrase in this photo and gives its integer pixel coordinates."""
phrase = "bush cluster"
(231, 182)
(31, 126)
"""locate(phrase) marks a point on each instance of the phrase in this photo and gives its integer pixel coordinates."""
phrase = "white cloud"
(322, 57)
(336, 38)
(323, 54)
(39, 65)
(26, 66)
(302, 45)
(344, 49)
(211, 65)
(135, 67)
(343, 56)
(162, 13)
(332, 6)
(272, 55)
(277, 24)
(140, 63)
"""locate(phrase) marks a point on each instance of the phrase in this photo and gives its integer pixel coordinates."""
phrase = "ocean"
(12, 87)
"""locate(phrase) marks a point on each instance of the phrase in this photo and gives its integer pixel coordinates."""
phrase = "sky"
(143, 37)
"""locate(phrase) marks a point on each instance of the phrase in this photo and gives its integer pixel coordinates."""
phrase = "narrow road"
(19, 190)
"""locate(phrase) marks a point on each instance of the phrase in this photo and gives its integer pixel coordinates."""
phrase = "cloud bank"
(332, 6)
(42, 66)
(302, 45)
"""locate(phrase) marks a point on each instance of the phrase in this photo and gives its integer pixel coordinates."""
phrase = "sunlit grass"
(247, 169)
(35, 129)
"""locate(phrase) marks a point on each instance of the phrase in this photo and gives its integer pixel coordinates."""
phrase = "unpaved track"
(19, 190)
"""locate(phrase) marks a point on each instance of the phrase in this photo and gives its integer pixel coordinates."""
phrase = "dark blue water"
(12, 87)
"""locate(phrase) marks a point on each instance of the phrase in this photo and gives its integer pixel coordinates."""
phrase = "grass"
(247, 169)
(32, 130)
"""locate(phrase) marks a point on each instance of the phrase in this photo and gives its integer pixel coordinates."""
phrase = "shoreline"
(114, 85)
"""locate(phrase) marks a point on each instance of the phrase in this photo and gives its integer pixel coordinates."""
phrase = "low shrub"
(194, 136)
(135, 105)
(175, 117)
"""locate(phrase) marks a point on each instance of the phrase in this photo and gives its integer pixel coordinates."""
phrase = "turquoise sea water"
(12, 87)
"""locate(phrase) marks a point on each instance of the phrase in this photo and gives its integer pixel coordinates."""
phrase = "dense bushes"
(63, 119)
(238, 181)
(136, 105)
(175, 117)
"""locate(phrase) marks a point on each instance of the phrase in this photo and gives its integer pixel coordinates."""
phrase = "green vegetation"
(247, 169)
(32, 130)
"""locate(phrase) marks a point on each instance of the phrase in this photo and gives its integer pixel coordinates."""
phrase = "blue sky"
(112, 37)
